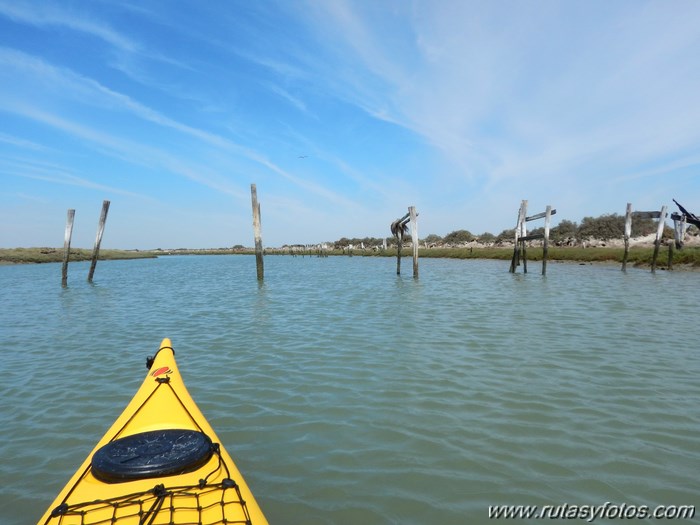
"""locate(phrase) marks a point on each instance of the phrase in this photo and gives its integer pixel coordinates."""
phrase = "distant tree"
(487, 237)
(605, 227)
(459, 236)
(341, 243)
(506, 235)
(537, 231)
(433, 239)
(563, 231)
(642, 227)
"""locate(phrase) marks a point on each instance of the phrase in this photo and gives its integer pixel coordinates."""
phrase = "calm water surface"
(347, 394)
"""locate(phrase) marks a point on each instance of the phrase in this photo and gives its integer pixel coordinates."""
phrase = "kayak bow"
(160, 463)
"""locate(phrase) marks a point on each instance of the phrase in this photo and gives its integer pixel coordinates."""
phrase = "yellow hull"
(159, 463)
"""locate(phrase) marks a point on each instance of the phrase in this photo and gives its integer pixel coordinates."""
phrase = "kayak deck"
(214, 504)
(160, 463)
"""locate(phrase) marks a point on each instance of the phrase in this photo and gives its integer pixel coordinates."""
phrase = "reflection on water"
(347, 394)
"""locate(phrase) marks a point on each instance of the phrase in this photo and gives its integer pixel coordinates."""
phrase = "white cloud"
(47, 14)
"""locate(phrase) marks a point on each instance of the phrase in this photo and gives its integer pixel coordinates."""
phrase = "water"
(347, 394)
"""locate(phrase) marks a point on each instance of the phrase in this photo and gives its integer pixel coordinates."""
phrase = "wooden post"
(66, 246)
(520, 231)
(545, 245)
(98, 239)
(399, 241)
(414, 238)
(398, 228)
(628, 234)
(256, 230)
(659, 235)
(515, 260)
(680, 225)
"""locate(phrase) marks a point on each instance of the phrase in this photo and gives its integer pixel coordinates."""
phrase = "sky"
(343, 113)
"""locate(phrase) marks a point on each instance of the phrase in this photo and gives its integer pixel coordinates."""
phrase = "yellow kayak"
(160, 463)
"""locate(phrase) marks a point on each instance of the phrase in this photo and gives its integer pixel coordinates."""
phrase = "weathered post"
(66, 246)
(399, 229)
(414, 238)
(628, 234)
(520, 231)
(399, 244)
(680, 226)
(659, 235)
(98, 239)
(545, 245)
(256, 231)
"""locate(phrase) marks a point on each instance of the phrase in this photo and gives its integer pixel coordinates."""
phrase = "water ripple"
(347, 394)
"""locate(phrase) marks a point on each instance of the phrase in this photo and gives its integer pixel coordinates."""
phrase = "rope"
(181, 500)
(179, 496)
(151, 358)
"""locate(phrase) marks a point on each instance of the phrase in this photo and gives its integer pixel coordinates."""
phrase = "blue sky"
(343, 113)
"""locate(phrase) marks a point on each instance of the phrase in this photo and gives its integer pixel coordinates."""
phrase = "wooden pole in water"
(628, 234)
(523, 233)
(66, 246)
(659, 235)
(397, 229)
(98, 239)
(515, 262)
(414, 238)
(399, 243)
(680, 226)
(545, 245)
(256, 231)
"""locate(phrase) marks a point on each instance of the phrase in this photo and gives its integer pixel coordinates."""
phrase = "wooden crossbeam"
(532, 237)
(539, 216)
(646, 214)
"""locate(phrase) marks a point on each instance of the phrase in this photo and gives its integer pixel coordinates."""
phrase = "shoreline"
(640, 254)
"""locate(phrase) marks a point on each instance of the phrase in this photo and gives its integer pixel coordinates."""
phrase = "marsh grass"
(637, 256)
(47, 255)
(688, 257)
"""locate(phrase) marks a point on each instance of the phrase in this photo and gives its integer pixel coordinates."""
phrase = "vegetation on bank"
(689, 256)
(603, 228)
(637, 256)
(567, 243)
(48, 255)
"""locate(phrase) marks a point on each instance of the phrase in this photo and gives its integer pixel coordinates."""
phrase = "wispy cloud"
(56, 174)
(461, 108)
(294, 101)
(477, 71)
(93, 93)
(47, 14)
(21, 142)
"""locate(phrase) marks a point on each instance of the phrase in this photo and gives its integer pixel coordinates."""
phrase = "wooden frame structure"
(521, 237)
(661, 215)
